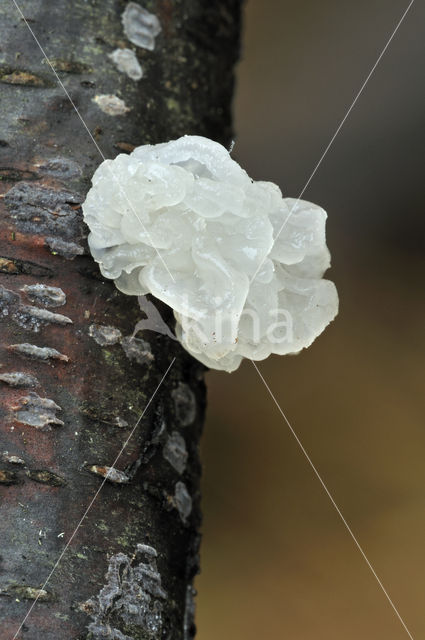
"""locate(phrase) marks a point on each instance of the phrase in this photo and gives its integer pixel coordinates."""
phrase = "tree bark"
(73, 383)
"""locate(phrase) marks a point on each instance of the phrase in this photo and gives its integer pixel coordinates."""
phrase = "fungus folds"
(240, 265)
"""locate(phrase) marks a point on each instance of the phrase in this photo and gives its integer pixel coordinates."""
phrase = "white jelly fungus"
(126, 61)
(140, 26)
(241, 266)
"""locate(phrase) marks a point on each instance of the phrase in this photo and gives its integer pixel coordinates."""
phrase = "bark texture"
(72, 381)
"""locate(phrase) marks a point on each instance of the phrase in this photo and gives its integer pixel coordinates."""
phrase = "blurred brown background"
(277, 560)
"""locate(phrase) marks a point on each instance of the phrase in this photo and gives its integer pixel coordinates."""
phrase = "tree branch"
(73, 381)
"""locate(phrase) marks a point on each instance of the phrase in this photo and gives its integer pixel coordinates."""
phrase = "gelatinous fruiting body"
(126, 61)
(140, 26)
(240, 265)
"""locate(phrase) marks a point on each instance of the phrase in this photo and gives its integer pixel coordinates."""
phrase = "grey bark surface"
(71, 390)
